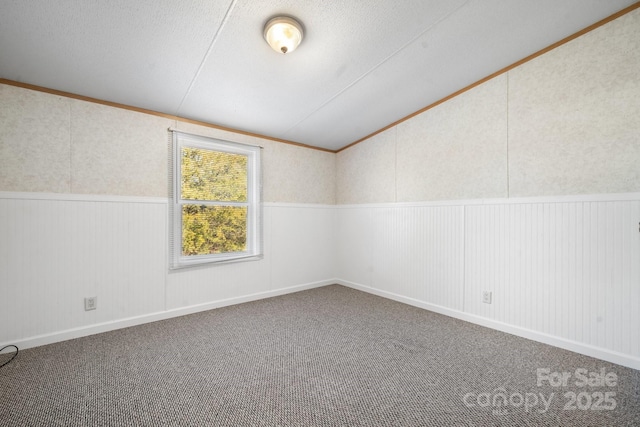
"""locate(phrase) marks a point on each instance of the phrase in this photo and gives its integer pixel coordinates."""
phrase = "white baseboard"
(588, 350)
(83, 331)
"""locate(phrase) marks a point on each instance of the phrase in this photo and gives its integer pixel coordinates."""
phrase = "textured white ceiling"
(362, 65)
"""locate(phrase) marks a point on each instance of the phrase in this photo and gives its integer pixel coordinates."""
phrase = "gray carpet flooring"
(329, 356)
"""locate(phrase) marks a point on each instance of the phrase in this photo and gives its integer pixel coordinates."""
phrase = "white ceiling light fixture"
(283, 34)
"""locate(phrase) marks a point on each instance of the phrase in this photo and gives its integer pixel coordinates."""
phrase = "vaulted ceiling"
(362, 65)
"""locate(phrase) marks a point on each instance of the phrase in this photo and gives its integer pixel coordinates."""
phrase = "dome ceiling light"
(283, 34)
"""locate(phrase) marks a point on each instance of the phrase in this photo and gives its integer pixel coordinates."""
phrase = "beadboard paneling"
(563, 270)
(355, 236)
(54, 253)
(570, 270)
(298, 243)
(55, 250)
(413, 251)
(302, 244)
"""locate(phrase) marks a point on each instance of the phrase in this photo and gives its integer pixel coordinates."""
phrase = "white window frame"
(254, 200)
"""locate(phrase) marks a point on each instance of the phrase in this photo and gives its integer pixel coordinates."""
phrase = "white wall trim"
(588, 350)
(68, 197)
(72, 197)
(297, 205)
(83, 331)
(613, 197)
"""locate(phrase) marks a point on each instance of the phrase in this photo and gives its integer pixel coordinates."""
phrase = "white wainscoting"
(563, 270)
(414, 251)
(299, 250)
(57, 249)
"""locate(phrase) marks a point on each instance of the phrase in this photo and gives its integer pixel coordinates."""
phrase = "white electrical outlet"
(90, 303)
(486, 297)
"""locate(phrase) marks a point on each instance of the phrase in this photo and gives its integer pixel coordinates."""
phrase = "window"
(215, 201)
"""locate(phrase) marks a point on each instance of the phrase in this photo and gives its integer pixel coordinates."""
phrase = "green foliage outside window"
(213, 176)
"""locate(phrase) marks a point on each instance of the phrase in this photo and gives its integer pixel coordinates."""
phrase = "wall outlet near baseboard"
(486, 297)
(90, 303)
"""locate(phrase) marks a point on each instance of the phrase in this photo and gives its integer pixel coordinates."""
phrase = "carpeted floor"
(330, 356)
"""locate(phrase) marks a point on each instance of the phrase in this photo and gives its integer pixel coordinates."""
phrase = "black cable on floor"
(14, 355)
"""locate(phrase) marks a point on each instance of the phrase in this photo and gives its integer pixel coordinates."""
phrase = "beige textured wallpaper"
(50, 143)
(117, 152)
(574, 115)
(35, 146)
(457, 150)
(366, 172)
(297, 174)
(565, 123)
